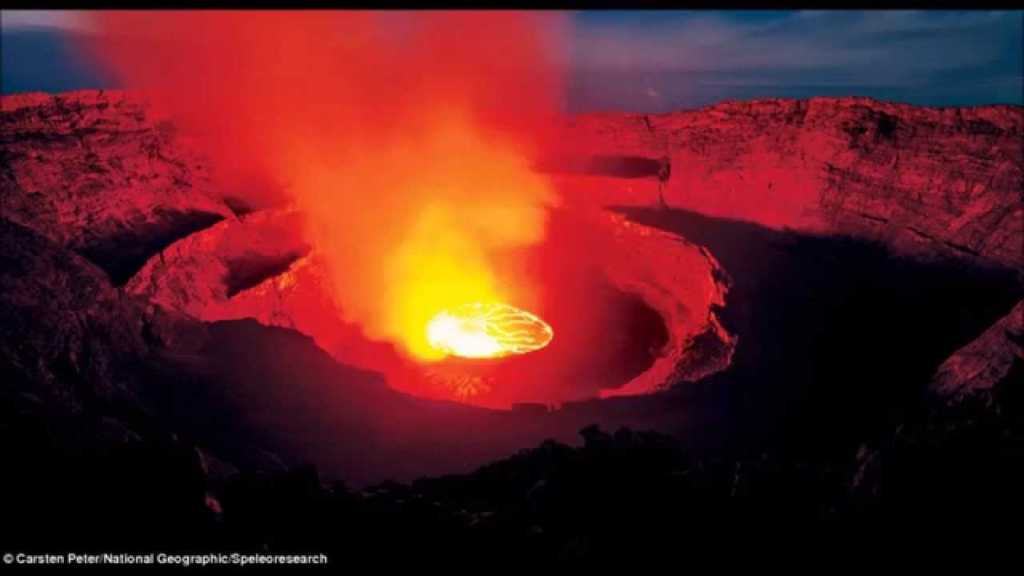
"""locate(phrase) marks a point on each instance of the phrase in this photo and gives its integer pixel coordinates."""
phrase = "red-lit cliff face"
(93, 172)
(925, 181)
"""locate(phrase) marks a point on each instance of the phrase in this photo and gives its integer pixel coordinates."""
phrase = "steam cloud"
(406, 139)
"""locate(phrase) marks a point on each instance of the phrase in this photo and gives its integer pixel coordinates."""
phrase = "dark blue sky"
(663, 60)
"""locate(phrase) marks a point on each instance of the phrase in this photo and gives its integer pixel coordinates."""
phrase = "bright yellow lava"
(487, 331)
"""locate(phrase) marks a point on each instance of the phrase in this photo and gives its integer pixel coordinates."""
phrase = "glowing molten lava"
(487, 331)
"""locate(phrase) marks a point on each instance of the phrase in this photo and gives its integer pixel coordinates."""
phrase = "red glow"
(391, 132)
(406, 142)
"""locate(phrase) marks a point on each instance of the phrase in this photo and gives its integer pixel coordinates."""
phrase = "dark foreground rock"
(990, 359)
(82, 453)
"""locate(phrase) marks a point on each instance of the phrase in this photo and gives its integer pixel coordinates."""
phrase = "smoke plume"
(406, 139)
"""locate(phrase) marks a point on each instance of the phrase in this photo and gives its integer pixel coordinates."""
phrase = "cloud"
(913, 54)
(57, 19)
(658, 61)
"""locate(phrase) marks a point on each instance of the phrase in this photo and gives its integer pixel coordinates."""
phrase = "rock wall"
(986, 362)
(93, 172)
(927, 182)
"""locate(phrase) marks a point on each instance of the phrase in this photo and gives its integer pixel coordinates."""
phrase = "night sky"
(664, 60)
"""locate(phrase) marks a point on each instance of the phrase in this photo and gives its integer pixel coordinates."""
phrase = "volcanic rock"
(93, 172)
(201, 273)
(837, 336)
(64, 330)
(928, 182)
(75, 435)
(986, 362)
(257, 266)
(659, 267)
